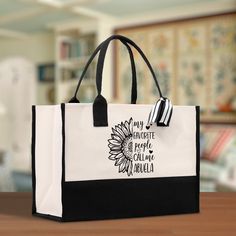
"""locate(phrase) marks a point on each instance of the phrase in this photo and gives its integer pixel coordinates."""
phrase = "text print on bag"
(131, 147)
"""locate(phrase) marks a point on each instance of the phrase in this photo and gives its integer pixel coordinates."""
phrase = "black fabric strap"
(101, 60)
(100, 116)
(134, 78)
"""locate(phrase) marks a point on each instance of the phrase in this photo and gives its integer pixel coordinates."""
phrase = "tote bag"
(106, 161)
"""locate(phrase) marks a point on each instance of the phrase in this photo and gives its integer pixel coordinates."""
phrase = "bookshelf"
(45, 83)
(73, 50)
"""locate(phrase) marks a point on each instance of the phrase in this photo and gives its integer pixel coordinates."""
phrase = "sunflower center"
(127, 147)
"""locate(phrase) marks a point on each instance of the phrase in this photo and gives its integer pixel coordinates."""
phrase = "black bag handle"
(134, 78)
(102, 55)
(100, 104)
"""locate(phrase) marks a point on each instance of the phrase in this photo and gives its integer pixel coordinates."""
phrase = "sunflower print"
(121, 146)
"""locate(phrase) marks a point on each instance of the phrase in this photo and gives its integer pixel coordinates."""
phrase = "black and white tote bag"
(106, 161)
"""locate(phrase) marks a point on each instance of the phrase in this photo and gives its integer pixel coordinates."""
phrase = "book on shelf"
(65, 50)
(46, 72)
(75, 48)
(71, 74)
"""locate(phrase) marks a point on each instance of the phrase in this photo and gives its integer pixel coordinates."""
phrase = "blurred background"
(44, 45)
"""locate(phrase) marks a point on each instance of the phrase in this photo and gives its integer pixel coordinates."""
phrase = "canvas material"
(87, 150)
(171, 152)
(48, 160)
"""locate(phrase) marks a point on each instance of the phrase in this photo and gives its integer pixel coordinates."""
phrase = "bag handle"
(98, 49)
(100, 104)
(102, 55)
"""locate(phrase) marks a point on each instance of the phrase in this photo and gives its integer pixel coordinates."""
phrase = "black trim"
(33, 158)
(198, 152)
(63, 158)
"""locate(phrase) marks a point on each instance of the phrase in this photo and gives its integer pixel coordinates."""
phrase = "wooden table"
(217, 217)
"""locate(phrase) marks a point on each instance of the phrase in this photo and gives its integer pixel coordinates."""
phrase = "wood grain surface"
(217, 217)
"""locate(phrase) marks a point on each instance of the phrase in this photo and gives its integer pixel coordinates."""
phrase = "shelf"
(73, 52)
(73, 62)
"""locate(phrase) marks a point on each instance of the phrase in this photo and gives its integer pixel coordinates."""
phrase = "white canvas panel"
(48, 160)
(160, 152)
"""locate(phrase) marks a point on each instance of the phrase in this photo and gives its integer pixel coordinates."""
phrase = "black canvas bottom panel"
(125, 198)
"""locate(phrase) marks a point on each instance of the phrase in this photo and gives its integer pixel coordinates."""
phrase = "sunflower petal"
(125, 131)
(119, 129)
(112, 157)
(127, 165)
(119, 161)
(114, 145)
(129, 172)
(114, 148)
(131, 125)
(116, 137)
(122, 166)
(116, 152)
(127, 127)
(114, 141)
(124, 163)
(117, 133)
(119, 155)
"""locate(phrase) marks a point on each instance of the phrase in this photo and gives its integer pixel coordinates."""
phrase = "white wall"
(37, 47)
